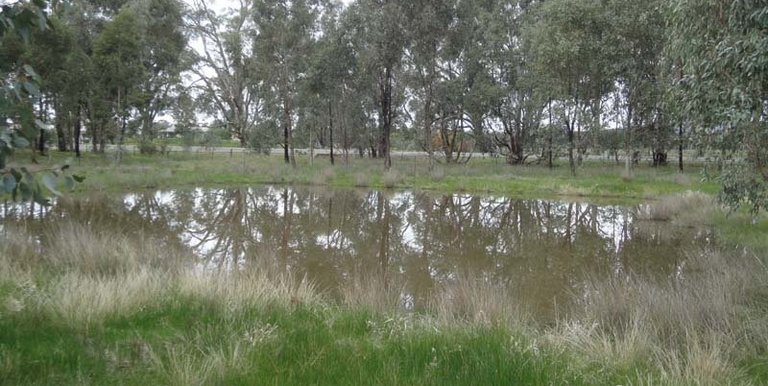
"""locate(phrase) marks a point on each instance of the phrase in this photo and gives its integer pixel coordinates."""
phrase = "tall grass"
(476, 301)
(238, 291)
(687, 209)
(371, 292)
(693, 327)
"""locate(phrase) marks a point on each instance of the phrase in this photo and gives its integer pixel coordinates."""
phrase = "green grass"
(595, 180)
(188, 342)
(739, 230)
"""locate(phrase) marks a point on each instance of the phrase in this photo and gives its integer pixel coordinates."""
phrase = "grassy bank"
(596, 180)
(81, 305)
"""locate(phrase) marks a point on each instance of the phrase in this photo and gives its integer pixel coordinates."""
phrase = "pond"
(542, 252)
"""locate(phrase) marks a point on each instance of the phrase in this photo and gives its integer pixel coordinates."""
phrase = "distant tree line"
(527, 80)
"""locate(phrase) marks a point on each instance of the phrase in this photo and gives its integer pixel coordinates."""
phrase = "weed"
(391, 178)
(362, 180)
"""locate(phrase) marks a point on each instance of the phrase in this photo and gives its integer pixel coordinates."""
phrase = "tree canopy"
(528, 80)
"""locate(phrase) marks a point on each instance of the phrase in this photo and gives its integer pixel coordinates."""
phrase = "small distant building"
(167, 132)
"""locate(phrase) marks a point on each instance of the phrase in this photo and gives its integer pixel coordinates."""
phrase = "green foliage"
(741, 184)
(25, 185)
(19, 80)
(718, 53)
(18, 124)
(231, 93)
(517, 77)
(117, 57)
(147, 147)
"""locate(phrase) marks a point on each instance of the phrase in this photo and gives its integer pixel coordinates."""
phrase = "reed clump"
(692, 327)
(362, 180)
(391, 179)
(686, 209)
(372, 292)
(476, 301)
(237, 291)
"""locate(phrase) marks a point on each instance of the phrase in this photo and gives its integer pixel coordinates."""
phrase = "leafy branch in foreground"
(27, 185)
(20, 86)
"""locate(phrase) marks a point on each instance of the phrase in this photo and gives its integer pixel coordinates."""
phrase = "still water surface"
(541, 251)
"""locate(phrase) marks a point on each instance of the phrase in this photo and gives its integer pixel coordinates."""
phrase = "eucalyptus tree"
(636, 35)
(225, 67)
(282, 43)
(162, 45)
(427, 28)
(468, 51)
(184, 114)
(117, 58)
(362, 128)
(50, 51)
(76, 85)
(383, 35)
(330, 75)
(46, 53)
(19, 87)
(450, 74)
(61, 83)
(719, 50)
(517, 102)
(571, 59)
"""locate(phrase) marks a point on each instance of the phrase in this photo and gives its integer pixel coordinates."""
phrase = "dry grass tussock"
(94, 275)
(371, 292)
(693, 326)
(476, 301)
(69, 246)
(235, 291)
(362, 180)
(325, 177)
(84, 300)
(391, 179)
(571, 191)
(686, 209)
(459, 302)
(203, 359)
(437, 174)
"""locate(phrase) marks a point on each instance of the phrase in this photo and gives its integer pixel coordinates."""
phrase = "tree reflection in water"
(540, 251)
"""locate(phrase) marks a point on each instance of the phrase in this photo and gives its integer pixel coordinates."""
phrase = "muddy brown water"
(541, 251)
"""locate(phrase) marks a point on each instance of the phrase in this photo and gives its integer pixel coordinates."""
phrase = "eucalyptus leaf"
(30, 71)
(32, 89)
(37, 197)
(9, 183)
(50, 182)
(69, 182)
(25, 190)
(15, 173)
(20, 142)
